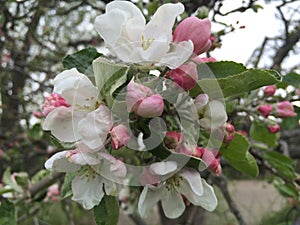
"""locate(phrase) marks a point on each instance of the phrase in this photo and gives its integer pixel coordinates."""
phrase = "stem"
(221, 182)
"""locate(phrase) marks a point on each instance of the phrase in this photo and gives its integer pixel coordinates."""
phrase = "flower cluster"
(84, 115)
(281, 109)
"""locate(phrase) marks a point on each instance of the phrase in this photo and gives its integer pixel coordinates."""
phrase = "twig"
(137, 219)
(47, 181)
(221, 182)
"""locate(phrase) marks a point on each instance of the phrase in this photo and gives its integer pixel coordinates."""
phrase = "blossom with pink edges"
(143, 101)
(274, 128)
(285, 109)
(53, 101)
(120, 136)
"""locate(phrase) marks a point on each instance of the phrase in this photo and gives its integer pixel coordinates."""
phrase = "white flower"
(125, 32)
(214, 115)
(86, 119)
(96, 173)
(186, 182)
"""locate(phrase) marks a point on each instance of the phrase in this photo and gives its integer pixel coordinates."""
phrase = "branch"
(221, 182)
(283, 51)
(137, 219)
(47, 181)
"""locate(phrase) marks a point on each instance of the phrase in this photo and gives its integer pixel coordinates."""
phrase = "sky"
(238, 46)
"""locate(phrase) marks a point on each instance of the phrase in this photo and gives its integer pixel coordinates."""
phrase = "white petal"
(172, 204)
(179, 54)
(208, 200)
(163, 168)
(116, 167)
(191, 185)
(148, 198)
(110, 187)
(164, 18)
(95, 127)
(63, 123)
(60, 163)
(87, 191)
(76, 89)
(215, 115)
(84, 158)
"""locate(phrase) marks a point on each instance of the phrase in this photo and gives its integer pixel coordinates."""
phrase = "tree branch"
(221, 182)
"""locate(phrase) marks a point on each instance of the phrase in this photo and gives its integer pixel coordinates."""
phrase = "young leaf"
(224, 85)
(284, 165)
(236, 153)
(7, 213)
(107, 212)
(109, 77)
(66, 189)
(81, 60)
(260, 133)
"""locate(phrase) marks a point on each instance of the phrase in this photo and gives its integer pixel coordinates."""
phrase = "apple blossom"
(270, 90)
(285, 109)
(214, 115)
(186, 182)
(120, 136)
(85, 119)
(53, 101)
(96, 172)
(126, 34)
(265, 110)
(196, 30)
(143, 101)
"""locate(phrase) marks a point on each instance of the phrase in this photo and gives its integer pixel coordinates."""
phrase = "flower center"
(173, 183)
(146, 42)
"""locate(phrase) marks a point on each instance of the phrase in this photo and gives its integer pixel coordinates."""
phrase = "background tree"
(36, 35)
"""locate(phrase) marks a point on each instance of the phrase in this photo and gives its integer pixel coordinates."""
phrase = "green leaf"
(107, 212)
(7, 213)
(256, 7)
(228, 83)
(82, 60)
(260, 133)
(287, 190)
(220, 69)
(236, 153)
(66, 189)
(292, 78)
(36, 132)
(109, 77)
(284, 165)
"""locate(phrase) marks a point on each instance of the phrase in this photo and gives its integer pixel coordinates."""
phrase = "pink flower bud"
(265, 110)
(53, 101)
(173, 139)
(270, 90)
(210, 160)
(285, 109)
(186, 76)
(120, 136)
(141, 100)
(38, 114)
(274, 128)
(196, 30)
(198, 59)
(229, 132)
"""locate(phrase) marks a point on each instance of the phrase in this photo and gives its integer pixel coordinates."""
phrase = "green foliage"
(109, 77)
(284, 165)
(81, 60)
(260, 133)
(291, 123)
(291, 78)
(236, 153)
(66, 189)
(107, 212)
(224, 79)
(286, 189)
(7, 213)
(36, 132)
